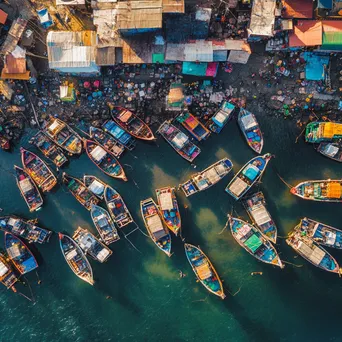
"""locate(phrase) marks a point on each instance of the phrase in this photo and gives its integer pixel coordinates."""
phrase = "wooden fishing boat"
(104, 160)
(319, 190)
(119, 134)
(250, 239)
(210, 176)
(20, 255)
(193, 126)
(331, 150)
(179, 141)
(312, 252)
(221, 117)
(75, 258)
(317, 132)
(28, 189)
(131, 123)
(204, 270)
(168, 206)
(7, 276)
(95, 185)
(255, 206)
(154, 225)
(38, 170)
(117, 207)
(24, 229)
(104, 224)
(247, 176)
(63, 135)
(251, 130)
(4, 143)
(79, 191)
(49, 149)
(91, 245)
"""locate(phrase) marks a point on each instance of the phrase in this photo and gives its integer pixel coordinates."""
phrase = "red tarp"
(301, 9)
(306, 33)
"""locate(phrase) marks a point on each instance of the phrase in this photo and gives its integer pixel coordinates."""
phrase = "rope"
(233, 295)
(287, 184)
(290, 263)
(301, 133)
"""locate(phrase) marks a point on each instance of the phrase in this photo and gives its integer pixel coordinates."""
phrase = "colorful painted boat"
(312, 252)
(331, 150)
(251, 130)
(117, 207)
(19, 253)
(95, 185)
(104, 224)
(248, 176)
(221, 117)
(79, 191)
(131, 123)
(179, 141)
(7, 276)
(4, 143)
(75, 258)
(204, 270)
(28, 189)
(119, 134)
(255, 206)
(91, 245)
(104, 160)
(49, 149)
(63, 135)
(317, 132)
(168, 206)
(154, 225)
(38, 170)
(250, 239)
(193, 126)
(207, 178)
(319, 190)
(24, 229)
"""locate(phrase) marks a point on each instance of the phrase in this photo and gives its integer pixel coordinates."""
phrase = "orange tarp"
(299, 9)
(334, 190)
(332, 25)
(3, 17)
(306, 33)
(331, 129)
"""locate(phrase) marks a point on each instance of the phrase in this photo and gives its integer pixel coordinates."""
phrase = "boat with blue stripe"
(119, 134)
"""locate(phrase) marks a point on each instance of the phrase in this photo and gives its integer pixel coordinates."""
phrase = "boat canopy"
(331, 129)
(244, 230)
(166, 202)
(251, 172)
(12, 221)
(102, 221)
(98, 153)
(125, 115)
(25, 185)
(72, 254)
(204, 271)
(220, 168)
(156, 227)
(3, 269)
(212, 175)
(55, 127)
(248, 121)
(103, 254)
(253, 243)
(334, 190)
(14, 251)
(331, 150)
(261, 215)
(315, 254)
(180, 140)
(238, 186)
(86, 241)
(96, 187)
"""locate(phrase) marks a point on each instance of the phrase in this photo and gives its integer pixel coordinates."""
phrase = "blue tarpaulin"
(327, 4)
(193, 68)
(315, 66)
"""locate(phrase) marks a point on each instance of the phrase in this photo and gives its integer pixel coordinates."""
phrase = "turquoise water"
(148, 301)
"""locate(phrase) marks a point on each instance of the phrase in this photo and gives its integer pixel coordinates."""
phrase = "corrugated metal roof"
(198, 50)
(298, 9)
(173, 6)
(306, 33)
(262, 18)
(14, 65)
(332, 35)
(16, 31)
(105, 56)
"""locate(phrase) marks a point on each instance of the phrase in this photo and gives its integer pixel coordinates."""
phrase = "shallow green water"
(148, 300)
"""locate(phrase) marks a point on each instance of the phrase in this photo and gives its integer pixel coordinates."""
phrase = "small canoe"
(251, 130)
(132, 124)
(75, 258)
(119, 134)
(204, 270)
(79, 191)
(18, 252)
(104, 224)
(251, 240)
(117, 207)
(319, 190)
(247, 176)
(317, 132)
(38, 170)
(91, 245)
(331, 150)
(95, 185)
(168, 206)
(104, 160)
(221, 117)
(193, 126)
(24, 229)
(7, 276)
(28, 189)
(154, 225)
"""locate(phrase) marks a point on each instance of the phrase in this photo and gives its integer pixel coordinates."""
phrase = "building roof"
(193, 51)
(302, 9)
(16, 31)
(173, 6)
(306, 33)
(70, 2)
(332, 35)
(262, 18)
(24, 76)
(14, 65)
(3, 16)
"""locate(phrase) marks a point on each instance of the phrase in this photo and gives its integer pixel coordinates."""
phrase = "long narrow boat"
(49, 149)
(28, 189)
(312, 252)
(7, 276)
(179, 141)
(117, 207)
(207, 178)
(154, 225)
(331, 150)
(75, 258)
(91, 245)
(79, 191)
(104, 224)
(193, 126)
(250, 239)
(107, 141)
(104, 160)
(255, 206)
(204, 270)
(95, 185)
(221, 117)
(63, 135)
(317, 132)
(131, 123)
(319, 190)
(119, 134)
(168, 206)
(251, 130)
(18, 252)
(248, 176)
(38, 170)
(24, 229)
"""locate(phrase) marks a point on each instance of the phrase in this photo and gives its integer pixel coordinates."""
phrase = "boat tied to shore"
(205, 179)
(331, 150)
(119, 134)
(193, 126)
(95, 185)
(317, 132)
(221, 117)
(7, 276)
